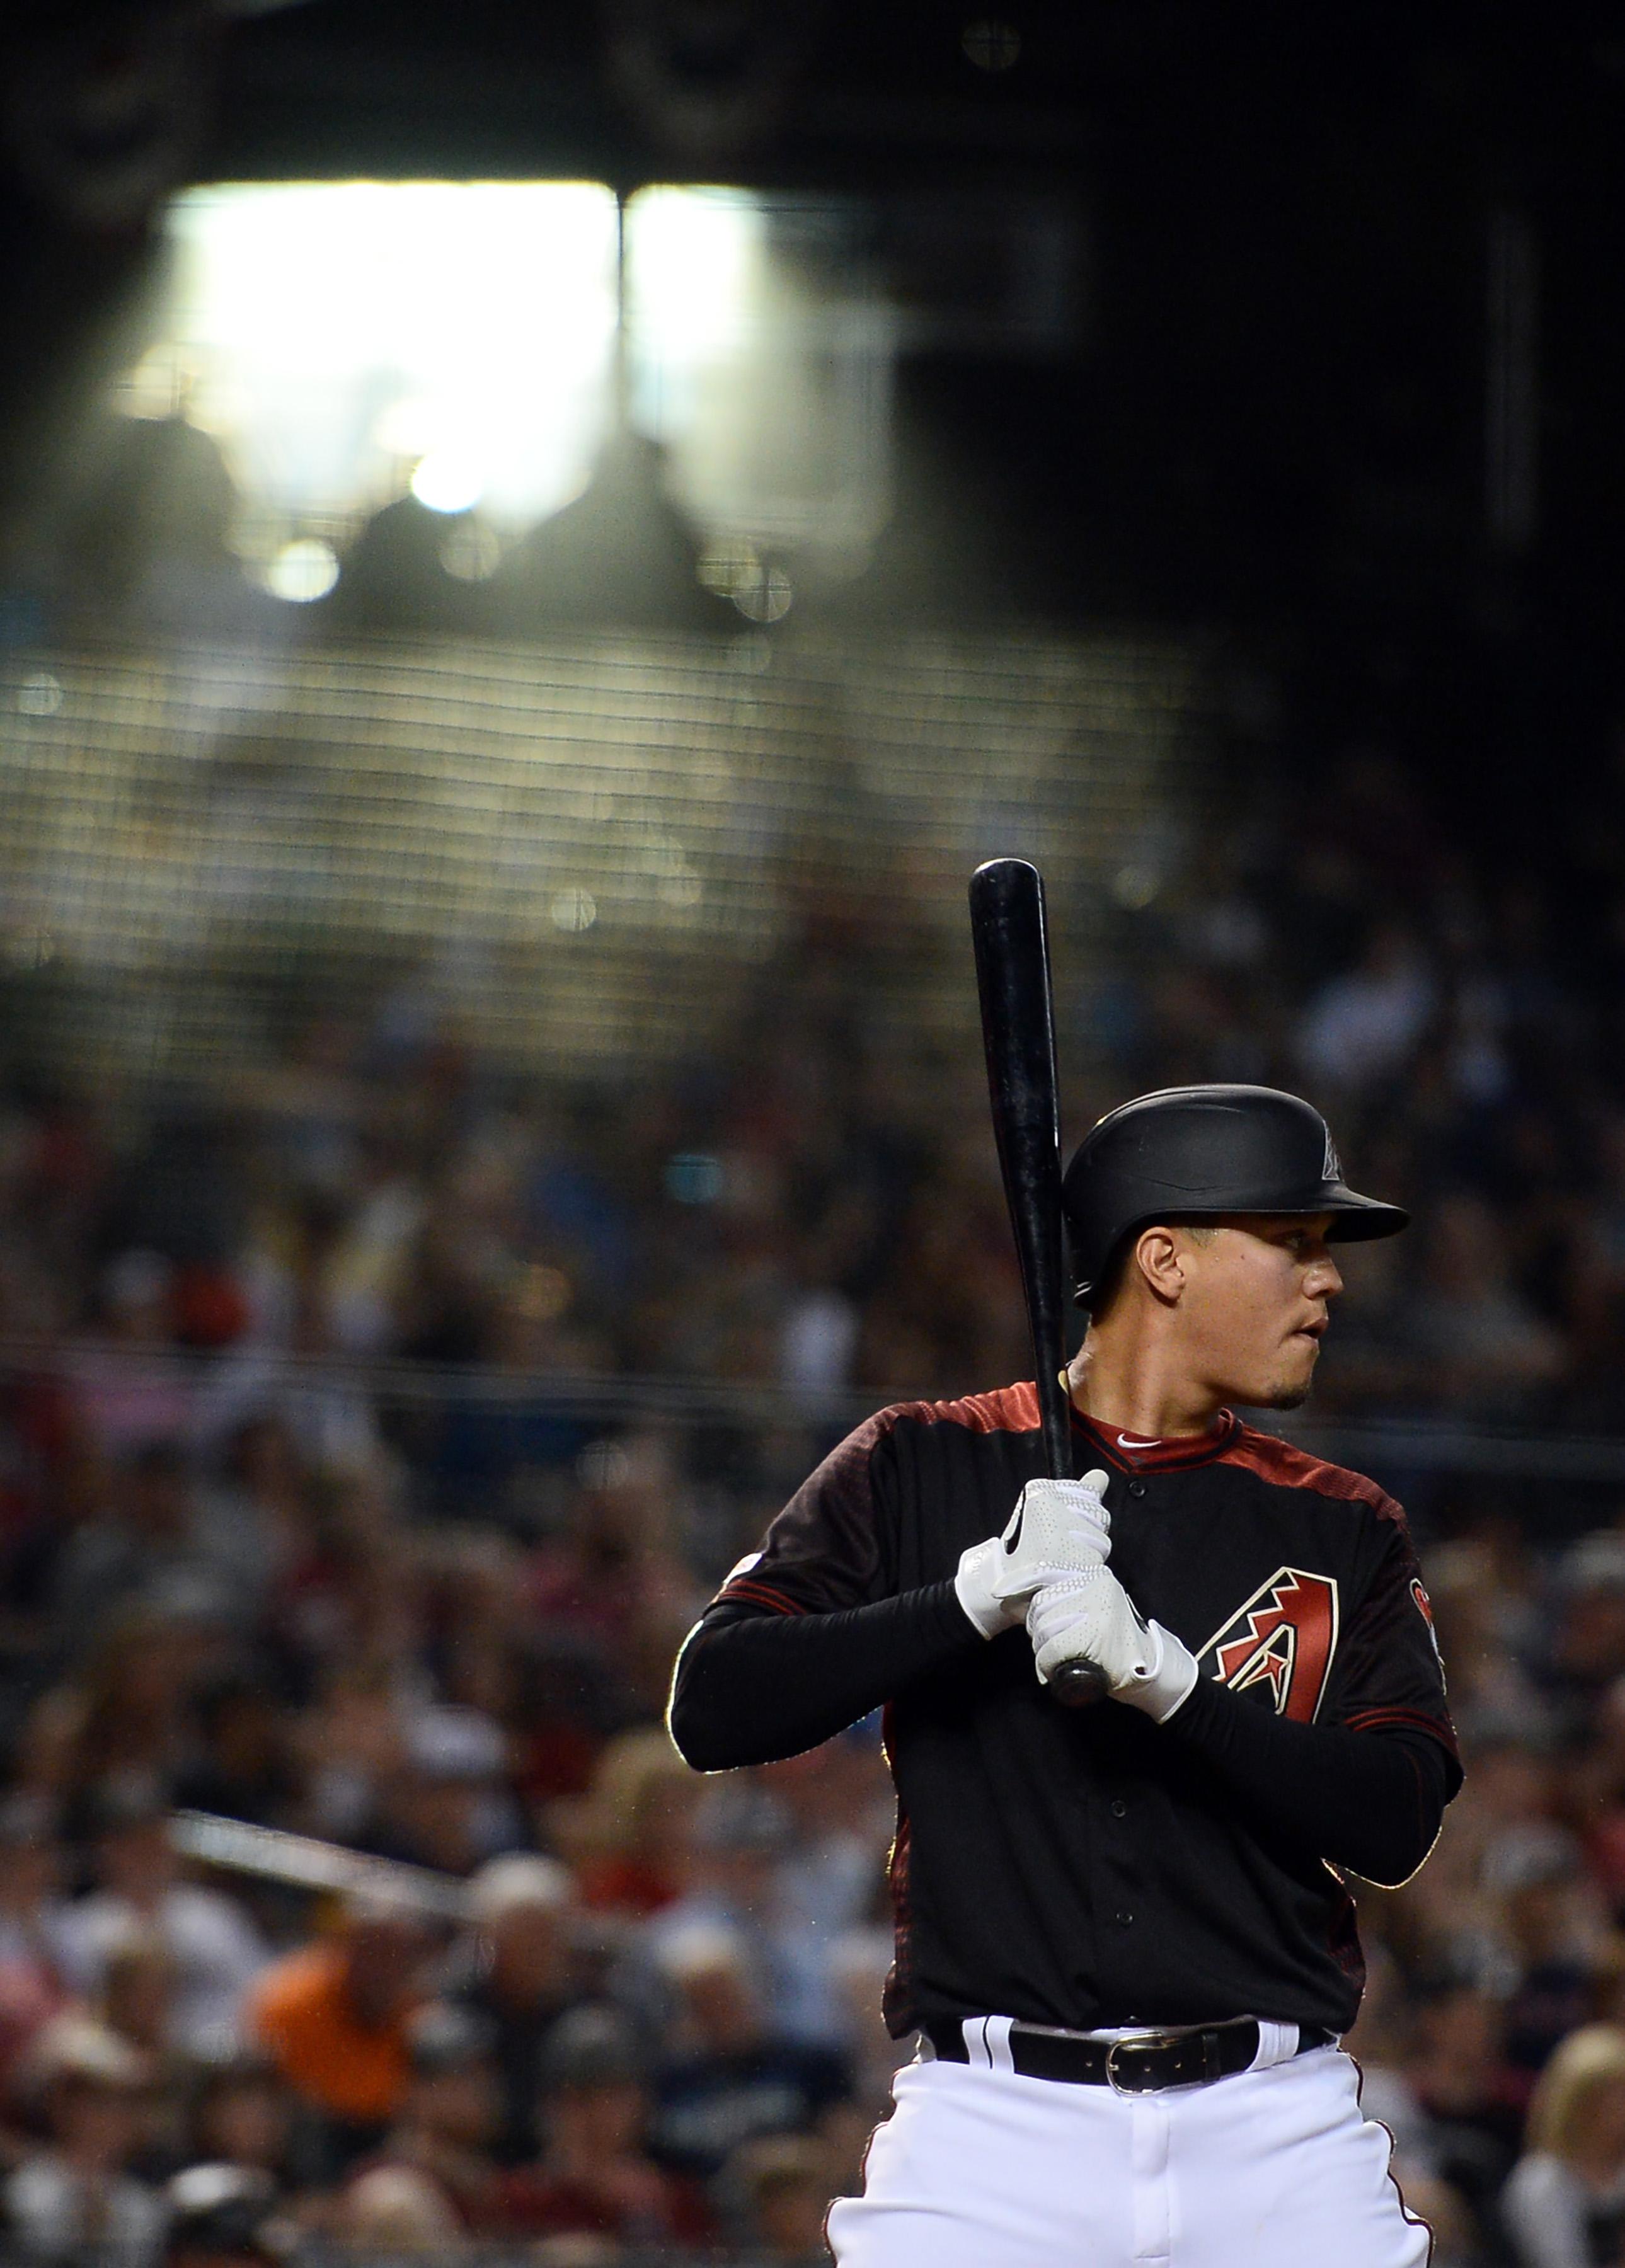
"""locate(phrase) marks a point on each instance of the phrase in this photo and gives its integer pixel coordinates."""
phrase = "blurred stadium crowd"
(244, 1568)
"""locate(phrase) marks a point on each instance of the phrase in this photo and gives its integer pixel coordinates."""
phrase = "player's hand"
(1058, 1529)
(1091, 1617)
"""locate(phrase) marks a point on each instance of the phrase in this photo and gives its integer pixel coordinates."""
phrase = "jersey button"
(1119, 1809)
(1123, 1917)
(1136, 1487)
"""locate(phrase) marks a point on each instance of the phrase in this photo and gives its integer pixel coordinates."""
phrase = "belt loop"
(977, 2054)
(996, 2030)
(1277, 2043)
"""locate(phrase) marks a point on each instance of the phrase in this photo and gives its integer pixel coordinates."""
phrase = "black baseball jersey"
(1087, 1869)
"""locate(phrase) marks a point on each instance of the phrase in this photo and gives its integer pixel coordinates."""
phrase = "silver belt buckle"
(1127, 2047)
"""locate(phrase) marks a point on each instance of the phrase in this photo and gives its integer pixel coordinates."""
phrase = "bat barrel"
(1009, 930)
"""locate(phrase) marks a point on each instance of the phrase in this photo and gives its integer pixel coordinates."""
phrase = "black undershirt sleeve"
(751, 1688)
(1369, 1801)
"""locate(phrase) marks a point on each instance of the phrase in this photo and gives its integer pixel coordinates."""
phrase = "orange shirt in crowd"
(302, 2013)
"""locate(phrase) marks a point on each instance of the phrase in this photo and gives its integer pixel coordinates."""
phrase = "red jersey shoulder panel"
(1286, 1467)
(835, 1505)
(1005, 1409)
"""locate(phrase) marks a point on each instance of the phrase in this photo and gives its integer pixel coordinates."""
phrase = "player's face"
(1258, 1296)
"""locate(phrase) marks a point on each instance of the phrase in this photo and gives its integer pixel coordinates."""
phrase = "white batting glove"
(1091, 1617)
(1058, 1529)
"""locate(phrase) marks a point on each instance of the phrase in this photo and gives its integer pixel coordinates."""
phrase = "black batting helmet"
(1198, 1153)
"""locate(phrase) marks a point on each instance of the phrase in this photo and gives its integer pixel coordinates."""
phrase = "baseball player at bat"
(1125, 1935)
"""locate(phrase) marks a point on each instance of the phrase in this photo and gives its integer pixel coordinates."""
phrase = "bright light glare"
(344, 340)
(470, 553)
(302, 571)
(329, 330)
(41, 694)
(574, 909)
(449, 481)
(695, 263)
(766, 376)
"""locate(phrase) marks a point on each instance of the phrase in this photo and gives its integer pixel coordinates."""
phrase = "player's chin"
(1286, 1394)
(1288, 1389)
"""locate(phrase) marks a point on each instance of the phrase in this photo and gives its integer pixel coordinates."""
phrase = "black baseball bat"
(1018, 1031)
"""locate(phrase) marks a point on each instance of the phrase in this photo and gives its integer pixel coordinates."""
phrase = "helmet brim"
(1358, 1219)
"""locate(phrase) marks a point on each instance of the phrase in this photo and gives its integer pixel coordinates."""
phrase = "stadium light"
(347, 343)
(329, 334)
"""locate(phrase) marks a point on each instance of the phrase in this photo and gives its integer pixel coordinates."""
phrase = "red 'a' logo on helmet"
(1283, 1638)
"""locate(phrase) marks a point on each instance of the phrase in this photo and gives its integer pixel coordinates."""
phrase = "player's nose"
(1324, 1279)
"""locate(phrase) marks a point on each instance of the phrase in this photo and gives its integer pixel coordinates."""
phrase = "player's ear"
(1160, 1259)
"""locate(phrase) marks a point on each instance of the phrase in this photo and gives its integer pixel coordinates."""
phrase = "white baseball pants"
(1273, 2167)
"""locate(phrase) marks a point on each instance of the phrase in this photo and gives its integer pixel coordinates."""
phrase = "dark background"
(1274, 423)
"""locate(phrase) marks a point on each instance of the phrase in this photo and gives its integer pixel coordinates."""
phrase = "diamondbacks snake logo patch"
(1424, 1608)
(1283, 1639)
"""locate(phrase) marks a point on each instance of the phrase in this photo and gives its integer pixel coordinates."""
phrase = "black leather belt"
(1186, 2056)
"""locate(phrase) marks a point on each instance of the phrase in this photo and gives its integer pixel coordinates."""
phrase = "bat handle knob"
(1078, 1684)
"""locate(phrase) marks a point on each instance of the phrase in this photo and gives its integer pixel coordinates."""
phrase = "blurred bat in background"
(273, 1855)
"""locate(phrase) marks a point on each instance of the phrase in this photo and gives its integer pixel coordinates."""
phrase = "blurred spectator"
(1360, 1028)
(632, 1833)
(222, 2216)
(32, 1909)
(243, 2116)
(781, 2186)
(741, 1886)
(214, 1951)
(1565, 2203)
(1381, 2043)
(617, 1574)
(1587, 1649)
(260, 1496)
(126, 1393)
(1488, 1633)
(394, 2209)
(1471, 2095)
(518, 1976)
(448, 2115)
(1555, 1930)
(353, 1740)
(76, 2197)
(333, 2018)
(158, 1543)
(861, 1961)
(120, 1719)
(1485, 1348)
(137, 1990)
(1455, 2239)
(446, 1806)
(840, 1806)
(732, 2076)
(244, 1766)
(595, 2178)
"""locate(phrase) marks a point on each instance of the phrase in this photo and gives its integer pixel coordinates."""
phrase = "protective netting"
(579, 851)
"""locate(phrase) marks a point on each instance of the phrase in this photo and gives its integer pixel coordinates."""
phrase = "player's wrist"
(1091, 1617)
(1164, 1681)
(973, 1587)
